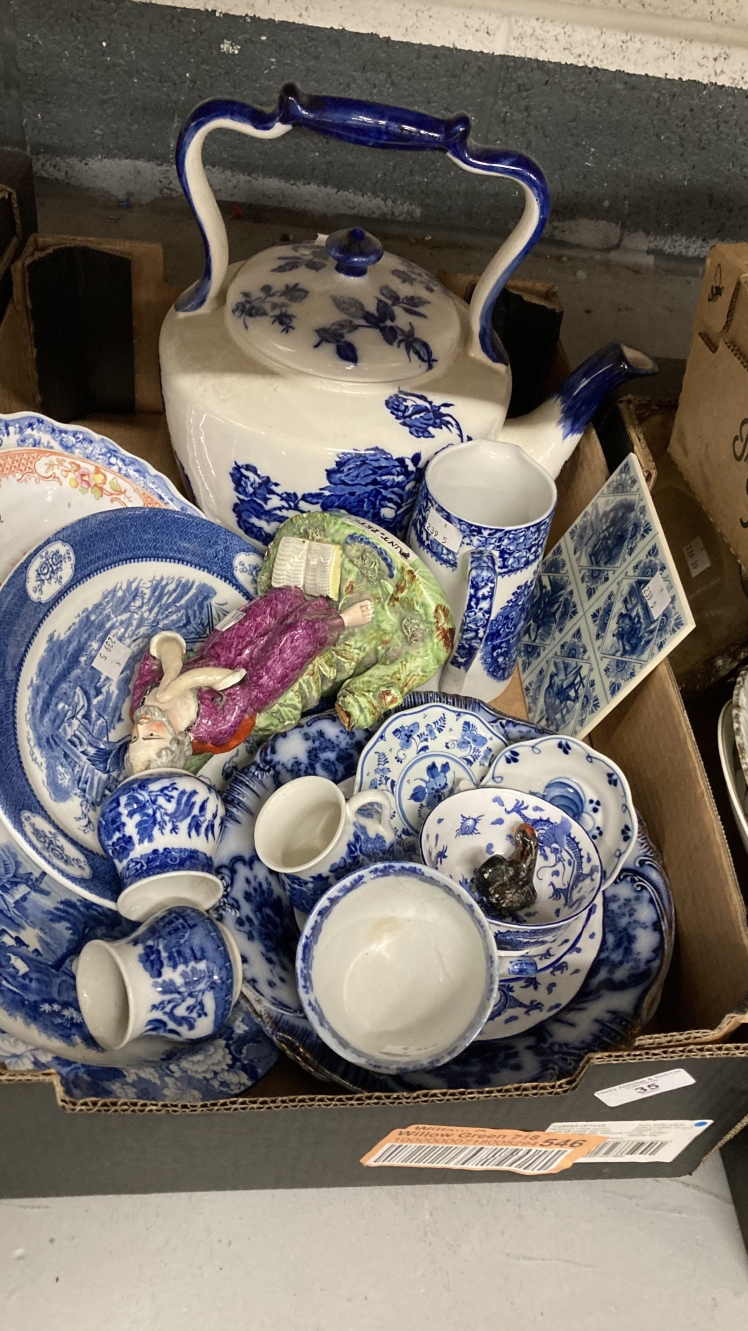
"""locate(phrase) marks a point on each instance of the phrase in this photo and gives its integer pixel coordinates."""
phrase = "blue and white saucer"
(614, 999)
(216, 1069)
(582, 783)
(423, 756)
(76, 616)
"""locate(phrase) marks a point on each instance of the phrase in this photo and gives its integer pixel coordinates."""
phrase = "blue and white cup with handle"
(177, 976)
(480, 524)
(162, 830)
(312, 836)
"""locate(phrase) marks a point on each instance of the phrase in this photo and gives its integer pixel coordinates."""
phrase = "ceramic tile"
(607, 606)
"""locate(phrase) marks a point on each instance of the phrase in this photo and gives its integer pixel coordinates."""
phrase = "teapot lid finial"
(354, 250)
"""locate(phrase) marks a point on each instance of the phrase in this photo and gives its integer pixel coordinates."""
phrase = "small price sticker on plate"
(112, 657)
(425, 1146)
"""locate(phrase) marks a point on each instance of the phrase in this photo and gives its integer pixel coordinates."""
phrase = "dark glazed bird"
(506, 885)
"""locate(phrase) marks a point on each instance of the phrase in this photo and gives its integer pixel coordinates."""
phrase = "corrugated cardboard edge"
(151, 300)
(362, 1100)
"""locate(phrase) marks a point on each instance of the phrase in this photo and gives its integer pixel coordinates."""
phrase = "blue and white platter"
(604, 1007)
(76, 615)
(217, 1069)
(28, 429)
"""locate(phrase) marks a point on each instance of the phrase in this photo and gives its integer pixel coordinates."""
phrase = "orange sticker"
(424, 1146)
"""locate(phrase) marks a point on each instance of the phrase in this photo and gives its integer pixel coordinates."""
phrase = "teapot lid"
(341, 307)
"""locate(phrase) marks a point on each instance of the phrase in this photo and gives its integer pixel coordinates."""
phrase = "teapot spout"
(551, 432)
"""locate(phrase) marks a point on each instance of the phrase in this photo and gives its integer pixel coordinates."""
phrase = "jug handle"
(482, 577)
(371, 125)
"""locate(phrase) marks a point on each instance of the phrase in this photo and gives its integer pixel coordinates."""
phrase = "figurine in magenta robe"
(209, 703)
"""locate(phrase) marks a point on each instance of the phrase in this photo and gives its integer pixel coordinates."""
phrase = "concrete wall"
(97, 92)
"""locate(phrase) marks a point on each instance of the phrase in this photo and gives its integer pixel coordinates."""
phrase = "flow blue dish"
(583, 783)
(76, 616)
(618, 994)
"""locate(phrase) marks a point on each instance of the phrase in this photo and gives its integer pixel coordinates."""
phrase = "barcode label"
(538, 1161)
(629, 1150)
(638, 1139)
(431, 1147)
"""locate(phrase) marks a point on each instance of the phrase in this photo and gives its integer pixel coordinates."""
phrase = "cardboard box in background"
(712, 577)
(293, 1131)
(710, 434)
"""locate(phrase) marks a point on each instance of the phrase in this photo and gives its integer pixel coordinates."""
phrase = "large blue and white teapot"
(324, 375)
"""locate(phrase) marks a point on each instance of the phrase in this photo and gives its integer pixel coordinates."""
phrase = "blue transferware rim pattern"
(151, 531)
(310, 936)
(566, 743)
(541, 926)
(80, 441)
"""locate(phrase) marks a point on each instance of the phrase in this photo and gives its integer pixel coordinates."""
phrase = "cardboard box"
(710, 435)
(293, 1131)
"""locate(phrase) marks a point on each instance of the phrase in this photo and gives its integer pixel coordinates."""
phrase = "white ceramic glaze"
(313, 836)
(42, 491)
(583, 783)
(178, 976)
(396, 968)
(480, 524)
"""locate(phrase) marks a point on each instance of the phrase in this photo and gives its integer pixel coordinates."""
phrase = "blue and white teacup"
(178, 976)
(312, 836)
(469, 827)
(162, 829)
(480, 524)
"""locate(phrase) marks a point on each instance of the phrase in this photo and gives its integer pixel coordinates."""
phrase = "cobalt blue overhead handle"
(372, 125)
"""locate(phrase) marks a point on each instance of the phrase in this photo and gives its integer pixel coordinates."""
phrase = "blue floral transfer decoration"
(422, 417)
(271, 304)
(382, 320)
(500, 645)
(304, 255)
(369, 483)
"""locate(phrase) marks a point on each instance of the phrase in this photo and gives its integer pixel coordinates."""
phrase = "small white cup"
(309, 834)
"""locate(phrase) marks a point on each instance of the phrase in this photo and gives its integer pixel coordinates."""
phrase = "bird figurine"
(506, 885)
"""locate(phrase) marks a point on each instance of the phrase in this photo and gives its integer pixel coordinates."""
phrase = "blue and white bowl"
(582, 783)
(178, 976)
(468, 828)
(162, 830)
(396, 968)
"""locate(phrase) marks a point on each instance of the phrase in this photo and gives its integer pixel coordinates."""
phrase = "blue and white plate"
(29, 429)
(423, 756)
(76, 616)
(43, 927)
(233, 1060)
(582, 783)
(618, 995)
